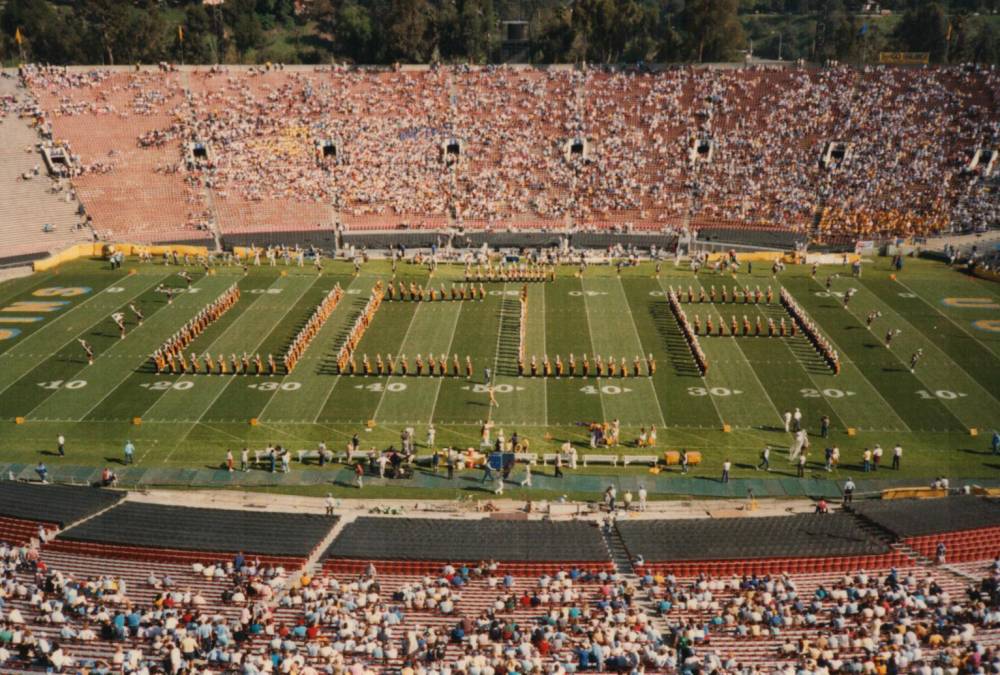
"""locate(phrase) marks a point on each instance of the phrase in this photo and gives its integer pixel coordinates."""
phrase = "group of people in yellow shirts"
(418, 293)
(510, 273)
(585, 368)
(745, 295)
(169, 358)
(400, 365)
(312, 327)
(346, 355)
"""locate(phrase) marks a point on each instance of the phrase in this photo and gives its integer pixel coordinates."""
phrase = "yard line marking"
(545, 350)
(496, 352)
(795, 360)
(409, 327)
(10, 352)
(718, 413)
(55, 353)
(315, 344)
(123, 380)
(638, 342)
(224, 388)
(208, 348)
(936, 309)
(590, 334)
(930, 345)
(440, 380)
(336, 380)
(845, 358)
(756, 377)
(72, 309)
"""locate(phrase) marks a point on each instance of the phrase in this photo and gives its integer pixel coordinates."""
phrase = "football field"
(189, 420)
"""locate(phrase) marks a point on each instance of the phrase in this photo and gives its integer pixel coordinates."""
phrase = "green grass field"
(190, 421)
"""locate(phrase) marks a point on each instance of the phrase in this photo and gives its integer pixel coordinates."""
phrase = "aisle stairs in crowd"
(40, 215)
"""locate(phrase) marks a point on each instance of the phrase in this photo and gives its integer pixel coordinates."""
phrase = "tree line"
(471, 31)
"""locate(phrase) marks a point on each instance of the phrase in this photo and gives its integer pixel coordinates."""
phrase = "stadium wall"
(98, 250)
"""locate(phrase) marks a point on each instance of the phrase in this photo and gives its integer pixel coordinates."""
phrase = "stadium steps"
(619, 553)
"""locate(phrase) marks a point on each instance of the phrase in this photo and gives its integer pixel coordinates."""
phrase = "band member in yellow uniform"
(390, 365)
(534, 366)
(547, 366)
(586, 366)
(560, 367)
(258, 364)
(612, 366)
(651, 364)
(379, 364)
(272, 367)
(420, 365)
(245, 362)
(223, 367)
(456, 368)
(636, 365)
(366, 365)
(572, 365)
(468, 367)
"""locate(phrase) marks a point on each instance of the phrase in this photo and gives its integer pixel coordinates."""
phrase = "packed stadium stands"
(470, 610)
(773, 155)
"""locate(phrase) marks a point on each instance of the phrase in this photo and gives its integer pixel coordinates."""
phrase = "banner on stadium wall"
(864, 247)
(904, 58)
(97, 250)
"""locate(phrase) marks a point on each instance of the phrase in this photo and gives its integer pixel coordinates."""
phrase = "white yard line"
(225, 387)
(11, 352)
(843, 356)
(409, 327)
(120, 382)
(545, 350)
(440, 380)
(638, 344)
(496, 351)
(718, 413)
(274, 394)
(957, 324)
(590, 335)
(928, 343)
(208, 348)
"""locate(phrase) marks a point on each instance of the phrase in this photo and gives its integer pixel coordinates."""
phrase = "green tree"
(409, 31)
(712, 29)
(924, 29)
(354, 32)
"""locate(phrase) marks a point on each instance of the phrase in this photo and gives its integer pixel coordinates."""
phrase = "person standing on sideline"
(684, 460)
(450, 463)
(765, 459)
(866, 461)
(824, 426)
(61, 445)
(797, 420)
(726, 465)
(431, 433)
(996, 442)
(331, 503)
(558, 466)
(129, 452)
(359, 475)
(499, 485)
(848, 491)
(787, 417)
(802, 465)
(642, 497)
(876, 456)
(245, 460)
(897, 456)
(43, 472)
(229, 460)
(527, 475)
